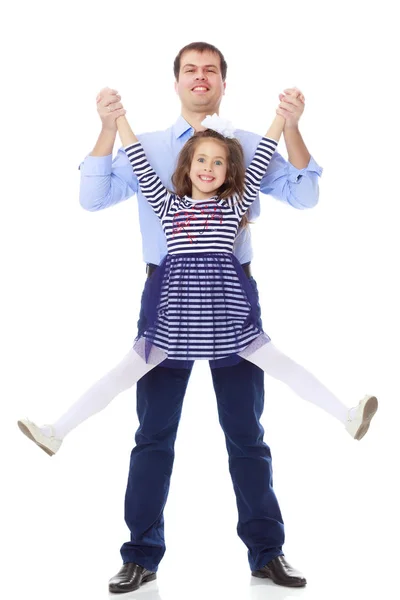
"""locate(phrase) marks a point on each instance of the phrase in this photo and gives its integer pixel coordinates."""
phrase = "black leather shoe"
(281, 573)
(129, 578)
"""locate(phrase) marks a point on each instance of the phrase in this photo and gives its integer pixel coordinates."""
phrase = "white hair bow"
(217, 123)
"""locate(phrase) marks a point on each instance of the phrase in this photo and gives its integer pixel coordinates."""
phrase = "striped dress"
(199, 304)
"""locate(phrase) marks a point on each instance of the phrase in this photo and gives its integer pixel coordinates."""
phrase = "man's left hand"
(291, 106)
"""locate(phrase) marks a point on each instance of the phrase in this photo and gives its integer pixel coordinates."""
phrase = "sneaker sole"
(369, 410)
(26, 431)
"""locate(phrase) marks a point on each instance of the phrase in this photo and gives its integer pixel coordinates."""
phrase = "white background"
(71, 285)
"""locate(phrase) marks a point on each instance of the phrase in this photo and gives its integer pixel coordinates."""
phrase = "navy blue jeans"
(240, 396)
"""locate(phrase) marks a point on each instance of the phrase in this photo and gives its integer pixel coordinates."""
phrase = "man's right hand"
(109, 108)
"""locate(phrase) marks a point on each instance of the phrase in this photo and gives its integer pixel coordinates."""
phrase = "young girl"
(199, 303)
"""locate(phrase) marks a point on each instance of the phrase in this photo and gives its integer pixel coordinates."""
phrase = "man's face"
(200, 86)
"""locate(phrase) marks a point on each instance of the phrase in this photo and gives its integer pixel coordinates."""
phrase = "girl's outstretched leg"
(278, 365)
(96, 398)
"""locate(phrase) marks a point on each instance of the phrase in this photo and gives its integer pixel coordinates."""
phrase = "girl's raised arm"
(125, 132)
(256, 169)
(275, 130)
(159, 198)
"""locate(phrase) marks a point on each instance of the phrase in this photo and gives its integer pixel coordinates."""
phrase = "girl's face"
(208, 168)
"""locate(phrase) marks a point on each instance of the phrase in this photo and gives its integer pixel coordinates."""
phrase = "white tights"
(122, 377)
(133, 367)
(302, 382)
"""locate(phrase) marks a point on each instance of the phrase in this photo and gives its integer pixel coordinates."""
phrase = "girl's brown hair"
(235, 171)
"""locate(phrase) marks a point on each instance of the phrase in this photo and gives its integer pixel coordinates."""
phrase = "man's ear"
(224, 87)
(176, 86)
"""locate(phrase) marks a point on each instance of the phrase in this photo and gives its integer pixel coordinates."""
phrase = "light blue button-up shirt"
(105, 182)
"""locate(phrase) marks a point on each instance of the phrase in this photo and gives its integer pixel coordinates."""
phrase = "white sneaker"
(49, 443)
(359, 424)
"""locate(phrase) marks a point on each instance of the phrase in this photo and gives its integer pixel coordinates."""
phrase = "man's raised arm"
(104, 182)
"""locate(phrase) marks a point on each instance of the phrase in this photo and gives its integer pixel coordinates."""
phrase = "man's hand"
(109, 108)
(291, 107)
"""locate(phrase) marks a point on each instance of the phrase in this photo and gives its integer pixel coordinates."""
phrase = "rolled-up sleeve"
(297, 187)
(105, 182)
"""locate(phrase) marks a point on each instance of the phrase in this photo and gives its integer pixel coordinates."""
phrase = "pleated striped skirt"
(200, 306)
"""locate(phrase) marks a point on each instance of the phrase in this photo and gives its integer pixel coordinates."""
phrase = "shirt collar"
(181, 126)
(190, 202)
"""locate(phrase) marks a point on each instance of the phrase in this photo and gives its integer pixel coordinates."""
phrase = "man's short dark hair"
(200, 47)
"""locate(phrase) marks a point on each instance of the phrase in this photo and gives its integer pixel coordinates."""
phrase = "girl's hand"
(291, 106)
(109, 108)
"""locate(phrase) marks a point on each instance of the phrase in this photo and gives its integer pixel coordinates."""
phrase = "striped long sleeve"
(255, 172)
(157, 195)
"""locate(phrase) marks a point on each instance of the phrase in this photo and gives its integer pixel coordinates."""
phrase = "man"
(200, 73)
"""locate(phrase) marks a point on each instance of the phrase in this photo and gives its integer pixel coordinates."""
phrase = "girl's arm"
(151, 185)
(275, 130)
(256, 169)
(128, 138)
